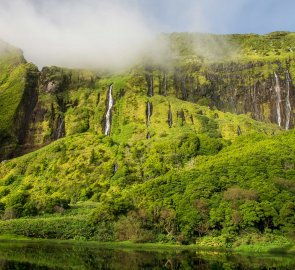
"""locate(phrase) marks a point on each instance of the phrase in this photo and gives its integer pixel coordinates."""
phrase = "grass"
(109, 245)
(267, 248)
(261, 248)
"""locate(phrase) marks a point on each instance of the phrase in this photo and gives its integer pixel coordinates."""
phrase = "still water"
(18, 255)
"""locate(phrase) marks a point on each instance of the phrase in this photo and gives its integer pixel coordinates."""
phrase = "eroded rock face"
(269, 98)
(264, 97)
(238, 88)
(47, 120)
(9, 148)
(263, 90)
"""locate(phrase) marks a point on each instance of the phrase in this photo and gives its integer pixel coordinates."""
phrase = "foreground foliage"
(159, 191)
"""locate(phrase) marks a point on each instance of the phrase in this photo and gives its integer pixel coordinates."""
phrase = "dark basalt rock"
(150, 84)
(116, 167)
(241, 89)
(265, 90)
(181, 115)
(22, 117)
(163, 83)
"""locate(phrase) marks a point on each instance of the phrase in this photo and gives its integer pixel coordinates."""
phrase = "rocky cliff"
(18, 97)
(263, 90)
(57, 102)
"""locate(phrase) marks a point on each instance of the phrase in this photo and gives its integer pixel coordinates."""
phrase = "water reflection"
(59, 256)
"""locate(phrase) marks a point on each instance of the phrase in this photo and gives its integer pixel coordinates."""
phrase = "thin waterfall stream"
(109, 112)
(288, 103)
(278, 100)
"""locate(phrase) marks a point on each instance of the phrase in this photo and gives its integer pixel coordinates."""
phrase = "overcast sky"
(85, 33)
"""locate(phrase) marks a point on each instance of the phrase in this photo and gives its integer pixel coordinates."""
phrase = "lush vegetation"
(12, 73)
(209, 177)
(160, 192)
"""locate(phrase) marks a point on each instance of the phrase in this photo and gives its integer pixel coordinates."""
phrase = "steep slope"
(18, 96)
(237, 73)
(78, 166)
(166, 151)
(242, 74)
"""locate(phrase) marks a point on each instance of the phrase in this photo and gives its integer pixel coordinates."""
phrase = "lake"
(30, 255)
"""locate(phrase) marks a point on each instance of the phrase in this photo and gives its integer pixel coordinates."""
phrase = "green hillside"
(201, 145)
(17, 95)
(160, 192)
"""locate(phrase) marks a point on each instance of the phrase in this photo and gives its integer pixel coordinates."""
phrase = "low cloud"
(106, 33)
(115, 33)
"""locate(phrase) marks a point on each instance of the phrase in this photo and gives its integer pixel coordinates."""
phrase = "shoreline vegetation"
(254, 248)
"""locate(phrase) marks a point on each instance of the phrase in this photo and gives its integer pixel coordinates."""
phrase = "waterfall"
(150, 83)
(116, 167)
(109, 112)
(170, 116)
(288, 104)
(181, 115)
(149, 111)
(278, 100)
(183, 89)
(256, 107)
(60, 129)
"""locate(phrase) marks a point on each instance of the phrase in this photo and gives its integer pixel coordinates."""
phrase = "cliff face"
(18, 96)
(40, 107)
(263, 90)
(15, 132)
(47, 120)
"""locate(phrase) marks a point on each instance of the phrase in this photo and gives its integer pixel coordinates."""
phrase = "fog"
(74, 33)
(112, 33)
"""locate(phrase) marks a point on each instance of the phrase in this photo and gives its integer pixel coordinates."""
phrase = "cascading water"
(116, 167)
(150, 83)
(181, 115)
(254, 101)
(170, 122)
(60, 129)
(288, 103)
(278, 100)
(149, 111)
(109, 112)
(183, 89)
